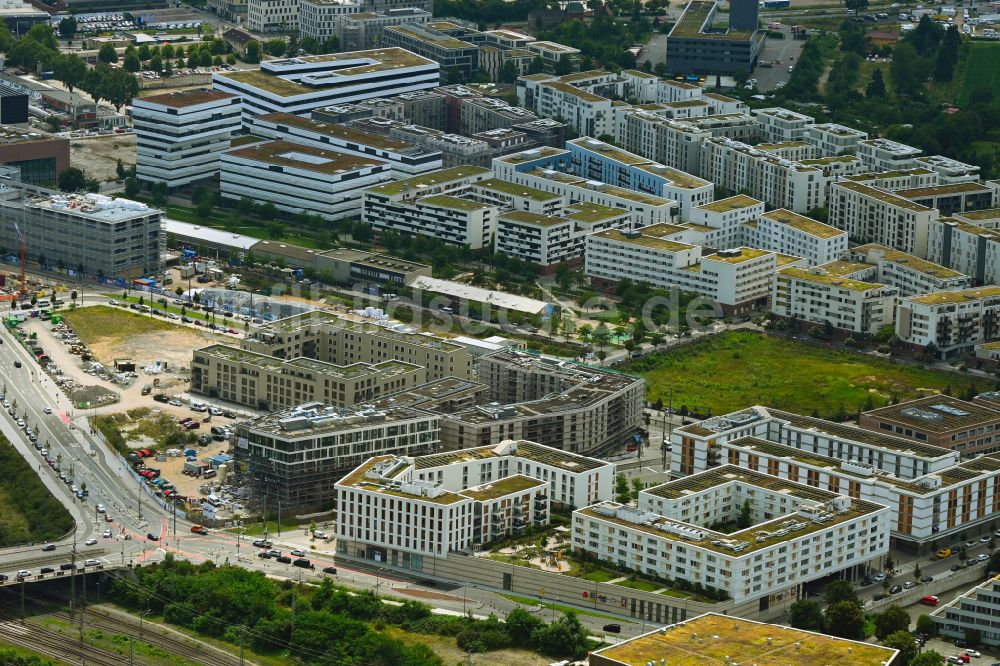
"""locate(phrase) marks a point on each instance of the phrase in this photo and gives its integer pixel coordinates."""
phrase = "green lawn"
(560, 608)
(637, 584)
(600, 575)
(731, 371)
(97, 322)
(982, 69)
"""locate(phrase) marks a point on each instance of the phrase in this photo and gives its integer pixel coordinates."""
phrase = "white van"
(197, 406)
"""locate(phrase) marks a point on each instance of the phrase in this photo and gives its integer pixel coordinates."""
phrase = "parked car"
(865, 582)
(90, 542)
(879, 577)
(330, 570)
(298, 553)
(895, 589)
(973, 653)
(909, 585)
(926, 579)
(613, 628)
(984, 539)
(46, 570)
(49, 547)
(23, 573)
(262, 543)
(91, 563)
(284, 559)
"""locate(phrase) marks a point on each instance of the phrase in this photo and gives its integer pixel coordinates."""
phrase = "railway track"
(53, 644)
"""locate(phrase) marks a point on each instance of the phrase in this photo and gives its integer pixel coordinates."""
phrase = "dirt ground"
(172, 468)
(98, 155)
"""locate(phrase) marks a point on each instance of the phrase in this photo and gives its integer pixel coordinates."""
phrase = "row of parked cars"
(299, 555)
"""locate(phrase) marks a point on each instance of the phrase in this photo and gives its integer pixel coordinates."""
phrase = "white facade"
(832, 139)
(550, 239)
(798, 534)
(737, 279)
(405, 159)
(911, 275)
(974, 610)
(586, 113)
(273, 15)
(430, 205)
(965, 247)
(887, 155)
(428, 506)
(299, 178)
(300, 85)
(786, 232)
(180, 136)
(949, 171)
(837, 294)
(779, 182)
(319, 19)
(954, 321)
(872, 215)
(722, 224)
(778, 124)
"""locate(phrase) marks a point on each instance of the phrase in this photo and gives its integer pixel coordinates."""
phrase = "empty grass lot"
(101, 322)
(734, 370)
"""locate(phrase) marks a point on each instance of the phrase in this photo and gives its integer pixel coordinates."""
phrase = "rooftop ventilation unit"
(921, 415)
(951, 410)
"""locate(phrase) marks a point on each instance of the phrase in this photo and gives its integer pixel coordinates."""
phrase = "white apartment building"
(723, 224)
(831, 139)
(887, 155)
(954, 321)
(974, 610)
(871, 215)
(779, 182)
(180, 135)
(550, 239)
(298, 178)
(787, 232)
(932, 495)
(302, 84)
(586, 113)
(427, 205)
(778, 124)
(796, 151)
(911, 275)
(926, 512)
(948, 170)
(400, 510)
(273, 15)
(896, 179)
(405, 159)
(836, 166)
(799, 533)
(837, 293)
(965, 247)
(319, 19)
(737, 279)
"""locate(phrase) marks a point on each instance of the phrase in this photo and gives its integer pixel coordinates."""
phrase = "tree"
(119, 87)
(107, 54)
(928, 658)
(67, 27)
(275, 47)
(70, 69)
(252, 53)
(131, 62)
(904, 642)
(856, 5)
(876, 87)
(72, 179)
(537, 65)
(973, 636)
(564, 66)
(508, 73)
(840, 590)
(908, 69)
(566, 637)
(845, 619)
(926, 626)
(947, 55)
(230, 59)
(745, 519)
(156, 63)
(622, 491)
(131, 186)
(891, 620)
(160, 194)
(521, 625)
(806, 614)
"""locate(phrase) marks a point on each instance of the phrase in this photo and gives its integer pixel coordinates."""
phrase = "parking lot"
(783, 53)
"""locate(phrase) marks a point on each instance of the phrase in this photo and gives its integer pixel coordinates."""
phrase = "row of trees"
(28, 511)
(844, 617)
(324, 624)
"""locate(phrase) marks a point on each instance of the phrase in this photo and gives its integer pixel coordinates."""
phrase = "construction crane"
(20, 237)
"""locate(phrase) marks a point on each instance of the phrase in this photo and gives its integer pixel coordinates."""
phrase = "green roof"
(427, 180)
(455, 203)
(848, 284)
(516, 190)
(697, 18)
(804, 224)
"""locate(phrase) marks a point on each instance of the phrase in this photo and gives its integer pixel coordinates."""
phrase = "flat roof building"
(743, 641)
(300, 178)
(342, 340)
(872, 215)
(950, 322)
(911, 275)
(271, 383)
(798, 533)
(967, 427)
(788, 232)
(695, 46)
(301, 84)
(296, 456)
(405, 159)
(39, 158)
(180, 136)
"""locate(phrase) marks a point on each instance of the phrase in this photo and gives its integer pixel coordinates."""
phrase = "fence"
(947, 581)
